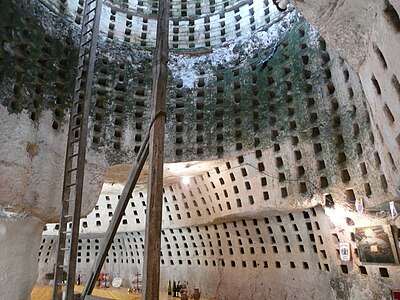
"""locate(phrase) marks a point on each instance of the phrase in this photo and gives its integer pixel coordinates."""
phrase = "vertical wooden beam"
(151, 267)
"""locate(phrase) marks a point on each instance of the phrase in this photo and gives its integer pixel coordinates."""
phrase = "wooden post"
(151, 267)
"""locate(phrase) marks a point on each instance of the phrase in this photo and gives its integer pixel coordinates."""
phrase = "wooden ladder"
(75, 155)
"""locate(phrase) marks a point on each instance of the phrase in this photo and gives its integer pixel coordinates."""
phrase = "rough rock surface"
(18, 263)
(345, 24)
(31, 168)
(289, 119)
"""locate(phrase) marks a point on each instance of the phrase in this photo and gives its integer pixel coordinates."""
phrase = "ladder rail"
(75, 153)
(82, 152)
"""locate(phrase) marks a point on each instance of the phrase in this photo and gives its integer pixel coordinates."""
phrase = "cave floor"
(45, 293)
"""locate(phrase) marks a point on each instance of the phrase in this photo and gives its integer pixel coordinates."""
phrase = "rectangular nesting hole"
(392, 16)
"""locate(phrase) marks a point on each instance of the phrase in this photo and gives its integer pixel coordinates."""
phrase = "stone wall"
(297, 252)
(19, 269)
(300, 133)
(366, 34)
(36, 72)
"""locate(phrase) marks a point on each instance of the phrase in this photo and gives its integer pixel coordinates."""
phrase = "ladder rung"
(69, 200)
(86, 43)
(74, 141)
(67, 216)
(71, 184)
(83, 54)
(75, 130)
(81, 60)
(91, 2)
(62, 266)
(78, 80)
(61, 284)
(76, 126)
(72, 170)
(79, 89)
(67, 232)
(90, 30)
(90, 11)
(73, 155)
(66, 249)
(91, 20)
(80, 65)
(78, 101)
(77, 114)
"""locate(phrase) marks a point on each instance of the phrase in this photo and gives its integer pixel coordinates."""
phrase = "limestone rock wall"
(19, 268)
(194, 25)
(366, 34)
(292, 255)
(380, 79)
(294, 125)
(36, 74)
(345, 24)
(32, 171)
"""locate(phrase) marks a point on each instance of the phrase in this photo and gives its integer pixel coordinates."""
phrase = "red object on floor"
(396, 295)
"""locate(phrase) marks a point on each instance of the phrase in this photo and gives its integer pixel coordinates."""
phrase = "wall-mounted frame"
(395, 295)
(376, 244)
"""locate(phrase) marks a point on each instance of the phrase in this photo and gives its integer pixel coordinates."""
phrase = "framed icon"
(376, 244)
(344, 249)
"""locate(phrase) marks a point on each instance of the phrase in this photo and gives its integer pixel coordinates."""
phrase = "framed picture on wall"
(396, 295)
(376, 244)
(344, 249)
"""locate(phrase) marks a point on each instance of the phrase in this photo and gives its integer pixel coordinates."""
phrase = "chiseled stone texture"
(366, 35)
(285, 255)
(380, 75)
(345, 24)
(31, 168)
(292, 117)
(18, 263)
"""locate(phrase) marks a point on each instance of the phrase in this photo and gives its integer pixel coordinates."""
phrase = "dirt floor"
(45, 292)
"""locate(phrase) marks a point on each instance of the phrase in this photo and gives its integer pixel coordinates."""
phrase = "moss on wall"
(36, 67)
(280, 87)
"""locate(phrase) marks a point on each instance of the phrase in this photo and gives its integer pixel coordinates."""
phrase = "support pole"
(116, 219)
(151, 267)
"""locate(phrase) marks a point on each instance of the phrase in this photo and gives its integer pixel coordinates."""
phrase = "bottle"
(174, 289)
(178, 289)
(78, 281)
(196, 294)
(169, 288)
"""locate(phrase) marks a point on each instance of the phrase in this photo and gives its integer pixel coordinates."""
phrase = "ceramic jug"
(196, 294)
(184, 296)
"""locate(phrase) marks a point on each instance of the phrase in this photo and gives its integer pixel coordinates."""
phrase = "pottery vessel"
(196, 294)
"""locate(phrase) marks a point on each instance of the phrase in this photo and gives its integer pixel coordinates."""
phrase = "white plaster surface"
(345, 24)
(386, 130)
(32, 166)
(19, 242)
(185, 67)
(31, 175)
